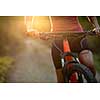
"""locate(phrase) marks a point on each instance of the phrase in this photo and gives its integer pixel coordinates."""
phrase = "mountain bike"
(72, 69)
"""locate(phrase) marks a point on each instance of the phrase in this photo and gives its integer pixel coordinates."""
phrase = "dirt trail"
(33, 64)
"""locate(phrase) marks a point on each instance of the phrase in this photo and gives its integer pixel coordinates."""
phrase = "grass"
(97, 61)
(5, 64)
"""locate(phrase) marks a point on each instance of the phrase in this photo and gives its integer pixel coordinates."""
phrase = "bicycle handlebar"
(50, 35)
(66, 34)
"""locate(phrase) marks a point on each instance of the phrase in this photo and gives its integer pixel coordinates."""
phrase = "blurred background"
(12, 42)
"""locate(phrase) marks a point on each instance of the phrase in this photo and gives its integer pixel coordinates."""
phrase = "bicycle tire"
(76, 67)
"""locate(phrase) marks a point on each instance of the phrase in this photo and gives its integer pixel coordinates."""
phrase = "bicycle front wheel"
(83, 73)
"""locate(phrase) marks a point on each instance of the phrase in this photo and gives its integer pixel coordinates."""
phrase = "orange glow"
(39, 23)
(28, 22)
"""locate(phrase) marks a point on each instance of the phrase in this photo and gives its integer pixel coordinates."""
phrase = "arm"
(93, 20)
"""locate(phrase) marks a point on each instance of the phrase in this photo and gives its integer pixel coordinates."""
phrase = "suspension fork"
(66, 48)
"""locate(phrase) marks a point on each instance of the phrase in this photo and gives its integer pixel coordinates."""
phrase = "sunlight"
(38, 23)
(28, 23)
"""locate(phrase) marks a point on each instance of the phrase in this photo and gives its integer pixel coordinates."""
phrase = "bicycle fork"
(66, 48)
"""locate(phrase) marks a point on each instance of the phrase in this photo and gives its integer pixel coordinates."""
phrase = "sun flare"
(38, 23)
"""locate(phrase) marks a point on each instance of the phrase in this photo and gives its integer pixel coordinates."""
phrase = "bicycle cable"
(61, 52)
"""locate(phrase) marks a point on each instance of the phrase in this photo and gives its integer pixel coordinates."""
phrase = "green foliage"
(85, 23)
(97, 61)
(94, 43)
(5, 64)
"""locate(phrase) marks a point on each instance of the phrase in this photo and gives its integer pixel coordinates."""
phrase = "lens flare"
(38, 23)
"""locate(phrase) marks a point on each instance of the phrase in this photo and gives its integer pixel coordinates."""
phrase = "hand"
(96, 30)
(33, 33)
